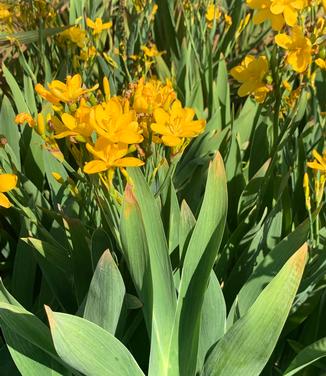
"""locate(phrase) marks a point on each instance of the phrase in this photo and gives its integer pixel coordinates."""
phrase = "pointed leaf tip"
(218, 164)
(50, 316)
(299, 258)
(129, 194)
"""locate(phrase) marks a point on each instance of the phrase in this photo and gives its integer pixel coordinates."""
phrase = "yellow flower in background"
(288, 8)
(177, 124)
(114, 121)
(109, 155)
(213, 13)
(319, 167)
(4, 11)
(151, 51)
(151, 94)
(298, 47)
(106, 87)
(76, 35)
(67, 92)
(263, 13)
(88, 53)
(7, 183)
(23, 117)
(319, 163)
(251, 73)
(228, 19)
(98, 26)
(321, 63)
(306, 189)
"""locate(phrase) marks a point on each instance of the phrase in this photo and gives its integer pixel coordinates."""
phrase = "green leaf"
(99, 243)
(28, 339)
(77, 236)
(23, 277)
(170, 211)
(56, 268)
(245, 122)
(17, 94)
(142, 203)
(9, 128)
(213, 319)
(135, 251)
(106, 294)
(58, 256)
(247, 346)
(186, 225)
(270, 266)
(306, 356)
(198, 263)
(223, 93)
(89, 348)
(29, 36)
(51, 164)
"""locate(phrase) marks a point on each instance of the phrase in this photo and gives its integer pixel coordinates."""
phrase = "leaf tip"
(50, 316)
(300, 257)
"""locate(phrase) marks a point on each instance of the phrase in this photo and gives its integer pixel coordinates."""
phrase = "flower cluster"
(214, 13)
(105, 132)
(303, 42)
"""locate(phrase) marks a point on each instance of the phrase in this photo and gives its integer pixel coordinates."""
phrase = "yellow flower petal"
(7, 182)
(290, 16)
(93, 167)
(69, 121)
(161, 116)
(171, 140)
(128, 162)
(283, 40)
(4, 202)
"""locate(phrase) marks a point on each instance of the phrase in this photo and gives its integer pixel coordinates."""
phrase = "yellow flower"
(151, 51)
(177, 124)
(109, 155)
(152, 94)
(307, 191)
(41, 124)
(228, 19)
(23, 117)
(46, 94)
(321, 63)
(319, 163)
(88, 53)
(65, 92)
(4, 11)
(76, 35)
(77, 126)
(263, 13)
(298, 48)
(7, 183)
(98, 26)
(242, 25)
(213, 13)
(114, 121)
(251, 74)
(58, 177)
(289, 9)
